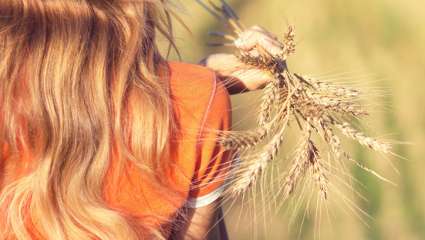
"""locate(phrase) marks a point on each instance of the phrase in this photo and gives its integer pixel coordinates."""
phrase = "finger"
(223, 62)
(246, 41)
(263, 32)
(266, 48)
(253, 78)
(254, 53)
(250, 39)
(272, 47)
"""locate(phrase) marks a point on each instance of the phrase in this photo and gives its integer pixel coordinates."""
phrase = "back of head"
(70, 71)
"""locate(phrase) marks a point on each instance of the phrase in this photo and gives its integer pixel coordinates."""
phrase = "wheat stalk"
(318, 169)
(271, 94)
(297, 169)
(372, 143)
(312, 104)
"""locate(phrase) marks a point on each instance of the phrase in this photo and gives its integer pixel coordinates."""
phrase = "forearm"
(202, 223)
(233, 85)
(219, 230)
(236, 76)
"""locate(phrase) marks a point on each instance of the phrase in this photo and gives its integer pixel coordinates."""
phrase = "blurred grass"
(379, 45)
(372, 191)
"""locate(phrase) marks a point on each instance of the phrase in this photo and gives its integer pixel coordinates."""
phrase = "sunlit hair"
(79, 82)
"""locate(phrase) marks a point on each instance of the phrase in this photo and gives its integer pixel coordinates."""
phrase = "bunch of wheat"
(318, 108)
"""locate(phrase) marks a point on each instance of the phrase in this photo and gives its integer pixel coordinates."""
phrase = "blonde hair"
(78, 78)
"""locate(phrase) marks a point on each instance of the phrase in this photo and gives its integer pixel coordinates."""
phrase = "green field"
(376, 44)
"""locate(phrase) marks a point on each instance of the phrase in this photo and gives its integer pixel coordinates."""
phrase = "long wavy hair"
(76, 78)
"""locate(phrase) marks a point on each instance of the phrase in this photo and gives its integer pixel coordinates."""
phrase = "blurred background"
(377, 45)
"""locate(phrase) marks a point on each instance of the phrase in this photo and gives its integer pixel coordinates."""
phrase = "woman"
(101, 137)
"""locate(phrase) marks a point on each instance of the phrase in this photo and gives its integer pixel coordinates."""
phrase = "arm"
(237, 76)
(201, 217)
(202, 223)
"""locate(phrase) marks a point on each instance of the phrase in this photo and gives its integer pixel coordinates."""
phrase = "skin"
(238, 76)
(204, 223)
(207, 222)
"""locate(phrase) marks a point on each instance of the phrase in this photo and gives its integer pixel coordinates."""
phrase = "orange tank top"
(201, 104)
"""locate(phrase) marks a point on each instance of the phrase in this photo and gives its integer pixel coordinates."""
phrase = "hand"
(257, 40)
(238, 76)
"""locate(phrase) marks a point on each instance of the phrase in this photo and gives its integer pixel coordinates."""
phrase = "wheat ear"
(313, 104)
